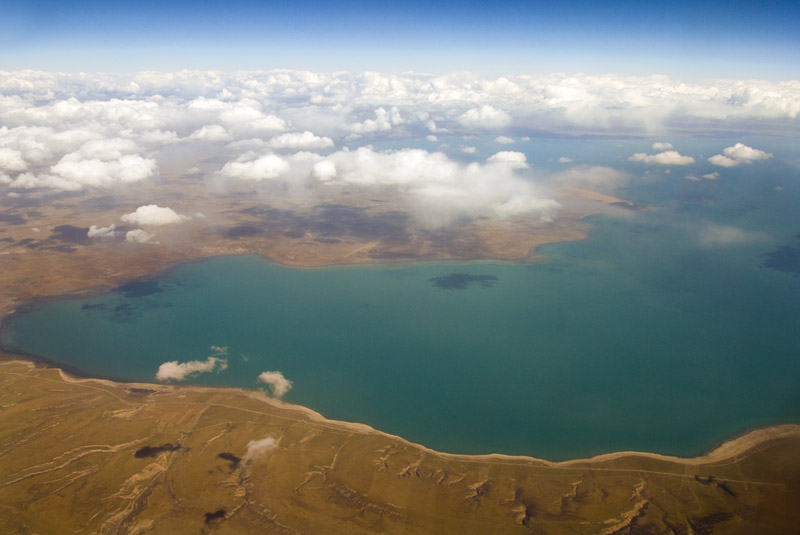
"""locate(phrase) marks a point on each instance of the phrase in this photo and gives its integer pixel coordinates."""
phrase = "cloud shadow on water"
(460, 281)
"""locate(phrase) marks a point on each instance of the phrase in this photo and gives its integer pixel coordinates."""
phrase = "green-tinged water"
(660, 332)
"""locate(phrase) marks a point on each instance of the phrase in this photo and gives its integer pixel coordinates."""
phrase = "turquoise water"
(642, 337)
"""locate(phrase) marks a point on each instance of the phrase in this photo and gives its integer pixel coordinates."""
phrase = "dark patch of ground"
(460, 281)
(328, 221)
(232, 459)
(243, 231)
(216, 515)
(140, 392)
(30, 243)
(70, 234)
(152, 451)
(339, 220)
(12, 219)
(60, 248)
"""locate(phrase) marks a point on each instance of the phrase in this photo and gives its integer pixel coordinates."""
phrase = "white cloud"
(102, 232)
(253, 167)
(439, 190)
(139, 236)
(514, 160)
(74, 172)
(300, 140)
(381, 123)
(278, 384)
(711, 176)
(669, 157)
(469, 150)
(504, 140)
(738, 154)
(564, 159)
(431, 138)
(153, 215)
(723, 161)
(157, 108)
(324, 170)
(742, 152)
(211, 132)
(248, 117)
(258, 448)
(11, 160)
(662, 145)
(176, 371)
(484, 117)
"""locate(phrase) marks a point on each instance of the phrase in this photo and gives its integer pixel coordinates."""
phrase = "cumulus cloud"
(153, 215)
(11, 160)
(139, 236)
(74, 172)
(723, 161)
(277, 383)
(662, 145)
(711, 176)
(381, 123)
(484, 117)
(670, 157)
(175, 371)
(253, 167)
(300, 140)
(564, 159)
(504, 140)
(102, 232)
(437, 189)
(259, 448)
(512, 159)
(211, 132)
(737, 155)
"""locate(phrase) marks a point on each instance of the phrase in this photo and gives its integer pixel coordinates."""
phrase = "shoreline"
(725, 450)
(8, 354)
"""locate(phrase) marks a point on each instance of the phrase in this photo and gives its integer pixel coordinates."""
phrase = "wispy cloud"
(179, 371)
(257, 449)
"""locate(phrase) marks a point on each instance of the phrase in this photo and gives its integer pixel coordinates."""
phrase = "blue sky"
(680, 39)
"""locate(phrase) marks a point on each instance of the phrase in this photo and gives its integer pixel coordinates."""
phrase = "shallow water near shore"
(660, 332)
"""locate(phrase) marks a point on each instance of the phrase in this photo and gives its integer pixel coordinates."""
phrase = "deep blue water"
(647, 336)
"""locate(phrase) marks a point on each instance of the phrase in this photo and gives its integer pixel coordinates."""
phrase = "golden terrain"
(92, 456)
